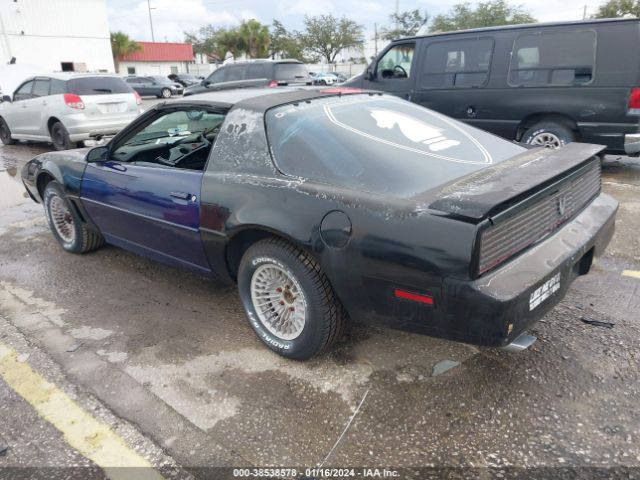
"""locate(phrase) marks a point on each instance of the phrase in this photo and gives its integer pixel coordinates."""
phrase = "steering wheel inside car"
(401, 70)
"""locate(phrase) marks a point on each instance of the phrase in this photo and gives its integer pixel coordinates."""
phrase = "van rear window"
(291, 71)
(553, 58)
(98, 86)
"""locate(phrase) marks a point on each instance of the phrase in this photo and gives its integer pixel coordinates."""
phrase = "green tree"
(255, 38)
(216, 41)
(405, 24)
(286, 43)
(326, 36)
(486, 14)
(619, 8)
(122, 45)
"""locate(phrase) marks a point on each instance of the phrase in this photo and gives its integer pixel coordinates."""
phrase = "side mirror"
(206, 83)
(98, 154)
(370, 74)
(6, 98)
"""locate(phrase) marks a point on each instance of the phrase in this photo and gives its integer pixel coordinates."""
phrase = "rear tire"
(288, 300)
(67, 227)
(549, 134)
(60, 137)
(5, 133)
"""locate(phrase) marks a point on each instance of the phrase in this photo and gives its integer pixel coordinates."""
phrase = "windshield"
(98, 86)
(379, 144)
(291, 71)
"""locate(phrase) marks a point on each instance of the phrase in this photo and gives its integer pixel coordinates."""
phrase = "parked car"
(155, 85)
(542, 84)
(184, 79)
(66, 109)
(325, 78)
(255, 73)
(327, 204)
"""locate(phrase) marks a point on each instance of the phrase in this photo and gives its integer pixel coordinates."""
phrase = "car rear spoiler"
(479, 194)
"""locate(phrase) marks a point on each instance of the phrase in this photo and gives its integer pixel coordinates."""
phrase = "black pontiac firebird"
(329, 204)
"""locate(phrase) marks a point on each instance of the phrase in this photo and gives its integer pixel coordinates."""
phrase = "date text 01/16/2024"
(317, 472)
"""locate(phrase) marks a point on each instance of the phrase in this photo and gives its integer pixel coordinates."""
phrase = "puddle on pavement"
(12, 159)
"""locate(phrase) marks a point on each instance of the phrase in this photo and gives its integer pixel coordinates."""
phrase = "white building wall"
(152, 68)
(46, 33)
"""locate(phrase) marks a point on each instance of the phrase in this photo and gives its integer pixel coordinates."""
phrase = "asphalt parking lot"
(168, 362)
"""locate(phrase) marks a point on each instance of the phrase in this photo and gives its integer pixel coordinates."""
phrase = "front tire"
(5, 133)
(288, 300)
(165, 93)
(67, 227)
(60, 137)
(549, 135)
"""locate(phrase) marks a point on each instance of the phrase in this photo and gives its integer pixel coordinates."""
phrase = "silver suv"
(65, 109)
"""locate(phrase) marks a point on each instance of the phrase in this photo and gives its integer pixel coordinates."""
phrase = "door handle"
(184, 196)
(44, 102)
(115, 166)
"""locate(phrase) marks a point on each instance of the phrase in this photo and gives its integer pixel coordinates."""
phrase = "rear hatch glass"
(98, 86)
(291, 72)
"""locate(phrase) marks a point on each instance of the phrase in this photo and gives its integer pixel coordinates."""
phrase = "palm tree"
(122, 45)
(255, 38)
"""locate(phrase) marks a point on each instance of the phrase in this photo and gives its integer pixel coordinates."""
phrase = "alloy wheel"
(62, 219)
(546, 140)
(279, 301)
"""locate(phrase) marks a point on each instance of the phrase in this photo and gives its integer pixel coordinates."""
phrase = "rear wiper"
(106, 90)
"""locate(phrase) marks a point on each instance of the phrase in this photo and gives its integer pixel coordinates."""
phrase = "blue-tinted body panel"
(149, 209)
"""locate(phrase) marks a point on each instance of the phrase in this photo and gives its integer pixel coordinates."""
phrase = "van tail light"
(634, 102)
(74, 101)
(138, 98)
(272, 84)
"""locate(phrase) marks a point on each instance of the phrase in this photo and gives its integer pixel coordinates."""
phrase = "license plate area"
(544, 291)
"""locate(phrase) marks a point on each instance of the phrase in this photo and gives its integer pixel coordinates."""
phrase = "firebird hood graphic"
(440, 138)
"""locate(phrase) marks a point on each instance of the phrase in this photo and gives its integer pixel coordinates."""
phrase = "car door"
(18, 118)
(453, 75)
(147, 206)
(35, 108)
(394, 71)
(149, 86)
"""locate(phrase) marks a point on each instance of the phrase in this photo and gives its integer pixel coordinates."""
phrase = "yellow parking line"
(93, 439)
(631, 273)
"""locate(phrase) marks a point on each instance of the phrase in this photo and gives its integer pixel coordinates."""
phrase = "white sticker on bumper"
(543, 292)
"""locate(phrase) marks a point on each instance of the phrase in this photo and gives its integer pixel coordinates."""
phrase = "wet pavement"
(169, 357)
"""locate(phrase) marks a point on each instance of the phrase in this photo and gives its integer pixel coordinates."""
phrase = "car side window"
(24, 92)
(396, 63)
(58, 87)
(553, 58)
(40, 88)
(255, 71)
(218, 76)
(235, 73)
(457, 63)
(177, 139)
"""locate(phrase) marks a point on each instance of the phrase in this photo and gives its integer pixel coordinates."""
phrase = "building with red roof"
(157, 58)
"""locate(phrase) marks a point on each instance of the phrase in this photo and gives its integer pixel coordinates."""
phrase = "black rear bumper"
(496, 308)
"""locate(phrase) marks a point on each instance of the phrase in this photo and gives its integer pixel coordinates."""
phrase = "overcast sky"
(172, 18)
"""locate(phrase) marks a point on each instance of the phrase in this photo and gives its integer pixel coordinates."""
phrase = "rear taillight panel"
(633, 105)
(73, 101)
(138, 98)
(272, 84)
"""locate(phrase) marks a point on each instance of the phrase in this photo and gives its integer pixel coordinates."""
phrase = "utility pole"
(6, 37)
(584, 13)
(397, 13)
(375, 38)
(153, 37)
